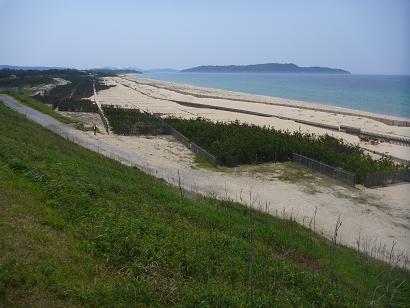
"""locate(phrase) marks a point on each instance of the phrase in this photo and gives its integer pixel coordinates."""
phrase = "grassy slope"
(80, 229)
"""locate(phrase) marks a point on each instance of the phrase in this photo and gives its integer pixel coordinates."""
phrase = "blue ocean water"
(375, 93)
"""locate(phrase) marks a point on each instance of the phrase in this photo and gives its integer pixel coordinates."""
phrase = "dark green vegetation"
(99, 86)
(84, 105)
(78, 88)
(4, 73)
(29, 78)
(131, 121)
(264, 68)
(30, 72)
(234, 143)
(80, 229)
(69, 97)
(24, 81)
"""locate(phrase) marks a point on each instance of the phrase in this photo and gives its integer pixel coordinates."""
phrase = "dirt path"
(380, 215)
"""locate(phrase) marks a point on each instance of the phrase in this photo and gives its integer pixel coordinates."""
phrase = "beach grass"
(79, 229)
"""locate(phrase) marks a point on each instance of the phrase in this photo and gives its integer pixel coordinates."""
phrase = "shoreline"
(391, 120)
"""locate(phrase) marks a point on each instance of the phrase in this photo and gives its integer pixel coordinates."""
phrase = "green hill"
(79, 229)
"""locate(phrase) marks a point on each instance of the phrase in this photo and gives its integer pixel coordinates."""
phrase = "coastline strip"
(353, 130)
(385, 120)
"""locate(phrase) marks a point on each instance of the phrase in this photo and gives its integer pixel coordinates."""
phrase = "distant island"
(264, 68)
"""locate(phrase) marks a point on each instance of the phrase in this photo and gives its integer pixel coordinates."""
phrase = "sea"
(384, 94)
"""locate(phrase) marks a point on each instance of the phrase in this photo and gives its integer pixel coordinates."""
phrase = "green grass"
(79, 229)
(24, 97)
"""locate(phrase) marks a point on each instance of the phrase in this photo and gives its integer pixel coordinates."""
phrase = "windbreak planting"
(74, 96)
(78, 88)
(234, 143)
(84, 89)
(21, 82)
(83, 105)
(99, 86)
(132, 121)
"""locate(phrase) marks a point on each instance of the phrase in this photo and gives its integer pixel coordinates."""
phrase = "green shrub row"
(131, 121)
(84, 89)
(236, 143)
(78, 88)
(83, 105)
(21, 82)
(99, 86)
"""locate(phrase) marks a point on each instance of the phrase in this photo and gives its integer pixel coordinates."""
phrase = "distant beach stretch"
(373, 93)
(187, 101)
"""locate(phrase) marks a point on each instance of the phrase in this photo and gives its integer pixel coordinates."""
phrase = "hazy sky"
(363, 36)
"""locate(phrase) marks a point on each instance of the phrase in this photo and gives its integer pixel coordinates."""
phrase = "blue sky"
(366, 36)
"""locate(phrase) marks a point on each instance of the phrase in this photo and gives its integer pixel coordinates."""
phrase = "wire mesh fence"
(192, 146)
(384, 178)
(338, 173)
(374, 179)
(104, 121)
